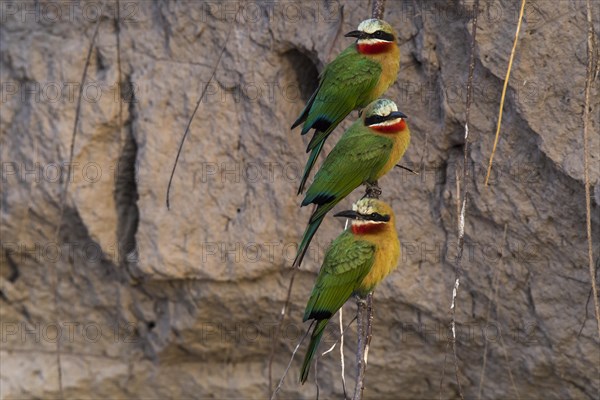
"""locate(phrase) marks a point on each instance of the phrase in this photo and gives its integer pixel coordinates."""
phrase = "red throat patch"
(364, 229)
(394, 128)
(375, 48)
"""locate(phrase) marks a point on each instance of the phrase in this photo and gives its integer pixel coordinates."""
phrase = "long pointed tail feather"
(309, 233)
(315, 339)
(312, 159)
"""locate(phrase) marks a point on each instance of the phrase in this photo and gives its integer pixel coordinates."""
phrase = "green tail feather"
(319, 138)
(315, 338)
(309, 165)
(310, 231)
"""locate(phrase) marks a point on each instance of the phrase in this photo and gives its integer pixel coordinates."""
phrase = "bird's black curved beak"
(348, 214)
(355, 34)
(396, 114)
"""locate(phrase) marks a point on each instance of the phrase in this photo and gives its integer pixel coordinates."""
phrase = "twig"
(63, 197)
(369, 336)
(342, 355)
(378, 9)
(360, 347)
(464, 196)
(119, 73)
(329, 350)
(187, 128)
(290, 362)
(510, 61)
(510, 374)
(444, 368)
(488, 312)
(457, 177)
(317, 376)
(412, 171)
(487, 319)
(364, 313)
(586, 156)
(586, 316)
(282, 315)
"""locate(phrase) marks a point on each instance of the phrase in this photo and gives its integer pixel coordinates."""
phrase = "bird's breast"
(387, 256)
(390, 65)
(401, 141)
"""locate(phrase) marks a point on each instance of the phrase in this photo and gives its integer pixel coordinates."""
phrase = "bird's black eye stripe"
(375, 119)
(378, 217)
(382, 35)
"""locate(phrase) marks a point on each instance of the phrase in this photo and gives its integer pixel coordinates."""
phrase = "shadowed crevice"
(305, 70)
(126, 193)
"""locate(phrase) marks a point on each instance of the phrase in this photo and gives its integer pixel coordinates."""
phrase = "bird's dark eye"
(375, 119)
(378, 217)
(382, 35)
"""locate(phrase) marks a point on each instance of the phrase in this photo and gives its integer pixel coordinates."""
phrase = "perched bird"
(366, 151)
(355, 262)
(359, 74)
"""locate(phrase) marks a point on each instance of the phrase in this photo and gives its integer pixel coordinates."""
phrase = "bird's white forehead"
(372, 25)
(363, 206)
(383, 107)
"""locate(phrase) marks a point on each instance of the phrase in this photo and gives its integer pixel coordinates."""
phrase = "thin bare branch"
(444, 368)
(317, 376)
(273, 396)
(586, 157)
(509, 369)
(361, 305)
(506, 78)
(63, 198)
(492, 301)
(365, 330)
(488, 312)
(412, 171)
(378, 9)
(342, 354)
(119, 71)
(464, 196)
(76, 125)
(187, 128)
(282, 315)
(586, 315)
(343, 331)
(369, 334)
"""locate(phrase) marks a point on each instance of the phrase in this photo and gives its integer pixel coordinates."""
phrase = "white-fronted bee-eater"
(355, 262)
(370, 147)
(358, 75)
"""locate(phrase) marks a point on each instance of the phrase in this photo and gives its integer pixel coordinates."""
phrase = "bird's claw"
(373, 191)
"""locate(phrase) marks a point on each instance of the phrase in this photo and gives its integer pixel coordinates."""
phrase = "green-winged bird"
(355, 262)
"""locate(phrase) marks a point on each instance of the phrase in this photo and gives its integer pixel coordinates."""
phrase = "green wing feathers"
(357, 158)
(346, 263)
(346, 83)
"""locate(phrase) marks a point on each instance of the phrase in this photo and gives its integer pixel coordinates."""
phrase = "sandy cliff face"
(182, 303)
